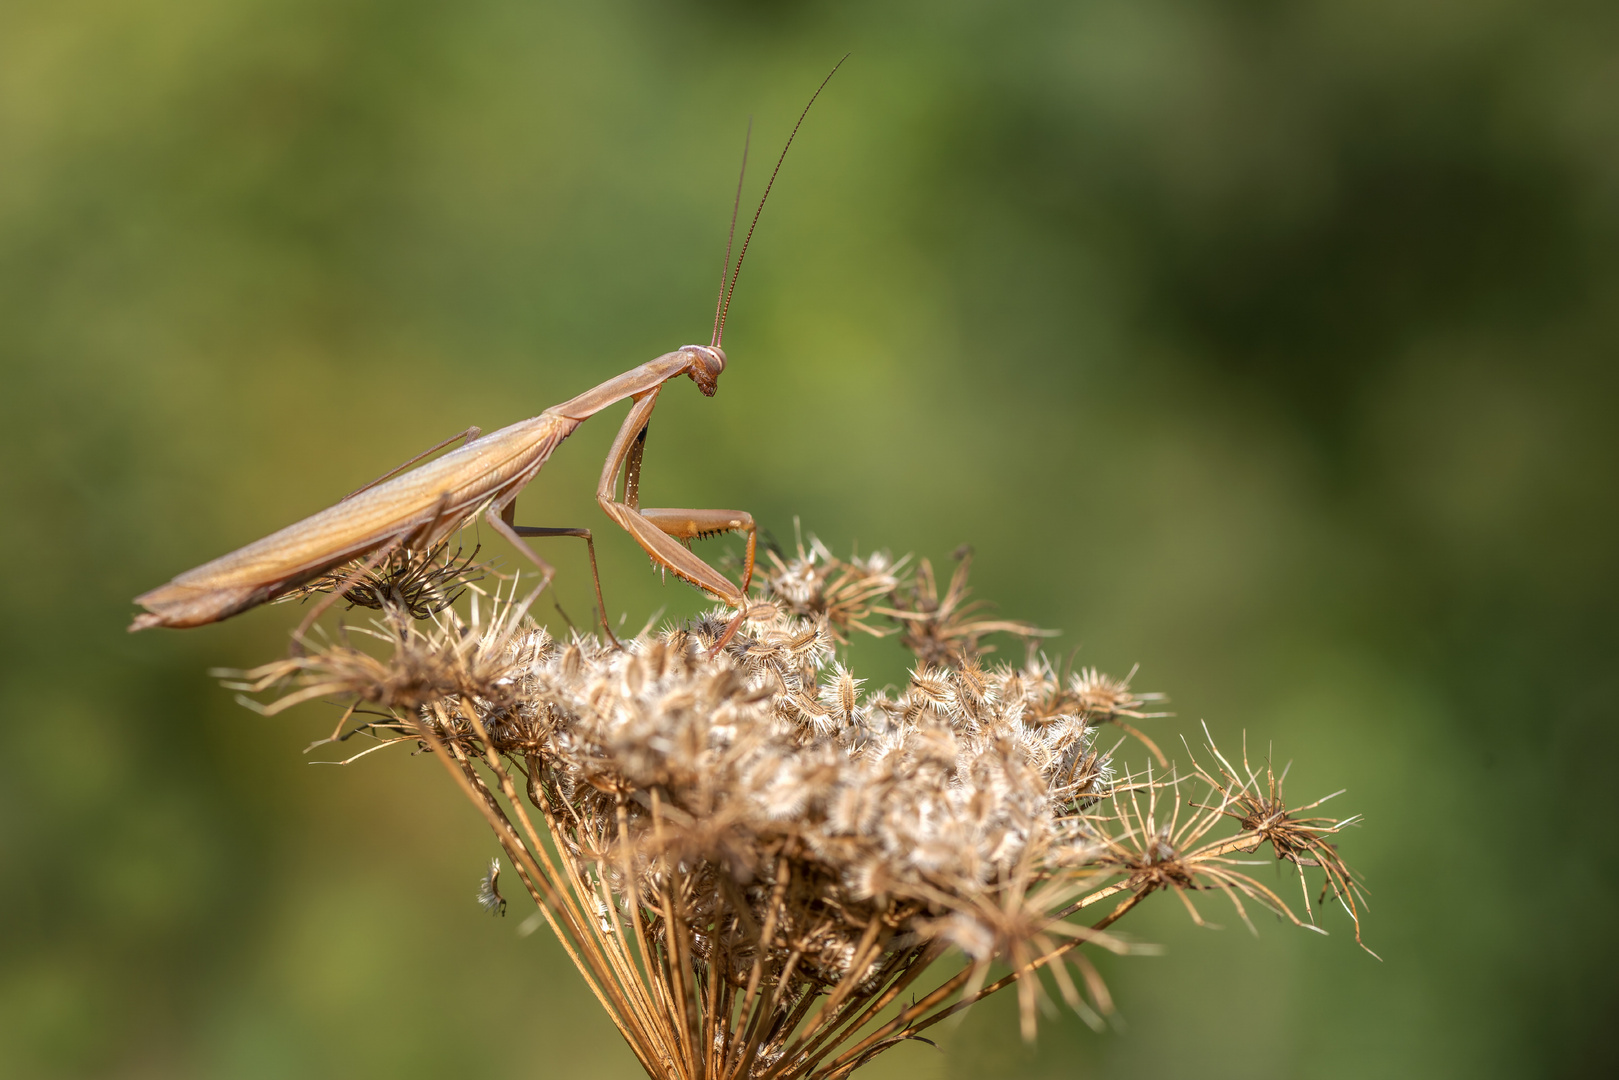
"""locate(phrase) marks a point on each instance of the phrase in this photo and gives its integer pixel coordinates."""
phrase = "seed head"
(754, 855)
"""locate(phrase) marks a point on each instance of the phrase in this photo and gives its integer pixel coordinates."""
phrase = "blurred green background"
(1269, 345)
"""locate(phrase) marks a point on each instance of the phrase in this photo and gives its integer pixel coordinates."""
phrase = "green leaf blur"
(1269, 345)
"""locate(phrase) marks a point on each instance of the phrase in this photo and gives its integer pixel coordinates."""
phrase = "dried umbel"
(753, 860)
(408, 581)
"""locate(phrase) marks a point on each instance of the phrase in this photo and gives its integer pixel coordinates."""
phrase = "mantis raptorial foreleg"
(684, 524)
(659, 531)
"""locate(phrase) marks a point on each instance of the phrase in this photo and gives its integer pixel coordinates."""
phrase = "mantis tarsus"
(423, 506)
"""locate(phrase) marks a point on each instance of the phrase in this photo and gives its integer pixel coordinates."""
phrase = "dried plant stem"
(592, 942)
(907, 973)
(753, 1026)
(539, 885)
(864, 954)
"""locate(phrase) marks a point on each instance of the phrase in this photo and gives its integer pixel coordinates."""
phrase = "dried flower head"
(420, 665)
(419, 583)
(947, 630)
(753, 857)
(1262, 812)
(1158, 847)
(816, 583)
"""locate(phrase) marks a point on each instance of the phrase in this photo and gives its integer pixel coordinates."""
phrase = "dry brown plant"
(419, 583)
(762, 869)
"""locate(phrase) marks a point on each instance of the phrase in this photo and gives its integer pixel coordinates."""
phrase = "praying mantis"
(420, 508)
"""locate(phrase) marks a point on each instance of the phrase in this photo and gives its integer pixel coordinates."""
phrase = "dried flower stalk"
(757, 865)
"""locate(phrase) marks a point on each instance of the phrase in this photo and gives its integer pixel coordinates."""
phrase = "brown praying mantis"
(418, 509)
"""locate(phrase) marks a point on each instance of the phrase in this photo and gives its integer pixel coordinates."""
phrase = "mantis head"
(707, 361)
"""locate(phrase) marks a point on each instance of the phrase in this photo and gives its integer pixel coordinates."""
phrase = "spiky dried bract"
(420, 583)
(421, 665)
(753, 857)
(1160, 844)
(816, 583)
(1261, 811)
(947, 630)
(1101, 699)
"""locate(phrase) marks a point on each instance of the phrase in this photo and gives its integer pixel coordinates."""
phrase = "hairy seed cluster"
(758, 854)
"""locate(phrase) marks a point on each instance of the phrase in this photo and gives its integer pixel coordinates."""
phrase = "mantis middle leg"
(504, 524)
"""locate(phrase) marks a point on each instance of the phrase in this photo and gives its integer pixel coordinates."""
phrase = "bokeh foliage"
(1270, 345)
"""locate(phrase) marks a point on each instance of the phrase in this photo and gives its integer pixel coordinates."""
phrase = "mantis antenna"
(723, 308)
(725, 270)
